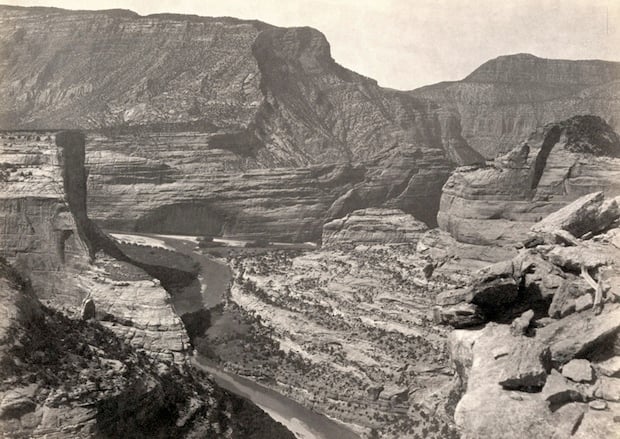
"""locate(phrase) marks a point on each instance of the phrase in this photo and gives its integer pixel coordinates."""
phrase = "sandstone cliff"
(234, 127)
(107, 354)
(246, 100)
(507, 98)
(49, 238)
(495, 204)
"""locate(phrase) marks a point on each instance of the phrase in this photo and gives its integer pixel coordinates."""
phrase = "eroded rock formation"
(262, 111)
(275, 100)
(496, 204)
(49, 238)
(373, 226)
(542, 373)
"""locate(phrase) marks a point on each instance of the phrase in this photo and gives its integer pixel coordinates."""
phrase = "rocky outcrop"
(496, 204)
(49, 238)
(541, 372)
(507, 98)
(71, 378)
(373, 226)
(40, 234)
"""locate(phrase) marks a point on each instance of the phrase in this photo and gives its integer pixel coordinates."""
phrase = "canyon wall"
(505, 99)
(48, 237)
(216, 102)
(230, 127)
(64, 377)
(90, 344)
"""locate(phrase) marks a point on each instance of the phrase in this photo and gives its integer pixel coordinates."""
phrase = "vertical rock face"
(507, 98)
(40, 233)
(218, 108)
(497, 203)
(49, 238)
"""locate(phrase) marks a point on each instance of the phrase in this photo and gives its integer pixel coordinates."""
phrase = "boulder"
(598, 404)
(573, 258)
(610, 367)
(494, 286)
(527, 366)
(520, 325)
(461, 315)
(579, 333)
(578, 370)
(559, 391)
(590, 213)
(608, 389)
(584, 302)
(563, 302)
(486, 410)
(541, 279)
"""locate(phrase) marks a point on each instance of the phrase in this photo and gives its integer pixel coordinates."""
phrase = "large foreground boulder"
(579, 334)
(527, 365)
(590, 213)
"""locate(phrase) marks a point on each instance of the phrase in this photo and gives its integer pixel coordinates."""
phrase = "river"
(215, 277)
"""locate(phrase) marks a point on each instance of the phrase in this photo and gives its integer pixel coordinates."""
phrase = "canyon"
(91, 345)
(436, 263)
(255, 128)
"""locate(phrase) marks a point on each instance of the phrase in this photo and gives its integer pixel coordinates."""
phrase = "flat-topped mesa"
(527, 68)
(507, 98)
(496, 204)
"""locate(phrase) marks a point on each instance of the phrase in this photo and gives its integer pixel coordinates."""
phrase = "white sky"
(409, 43)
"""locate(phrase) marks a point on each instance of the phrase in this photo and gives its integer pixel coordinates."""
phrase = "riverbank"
(304, 423)
(213, 282)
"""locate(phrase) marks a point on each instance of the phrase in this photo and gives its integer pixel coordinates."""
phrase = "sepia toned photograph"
(310, 219)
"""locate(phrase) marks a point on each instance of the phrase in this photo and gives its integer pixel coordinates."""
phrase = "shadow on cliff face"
(170, 268)
(198, 218)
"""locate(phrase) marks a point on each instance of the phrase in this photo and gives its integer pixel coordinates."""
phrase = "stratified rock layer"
(510, 380)
(496, 204)
(48, 237)
(507, 98)
(373, 226)
(72, 378)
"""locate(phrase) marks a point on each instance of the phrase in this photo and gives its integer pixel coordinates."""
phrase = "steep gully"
(215, 277)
